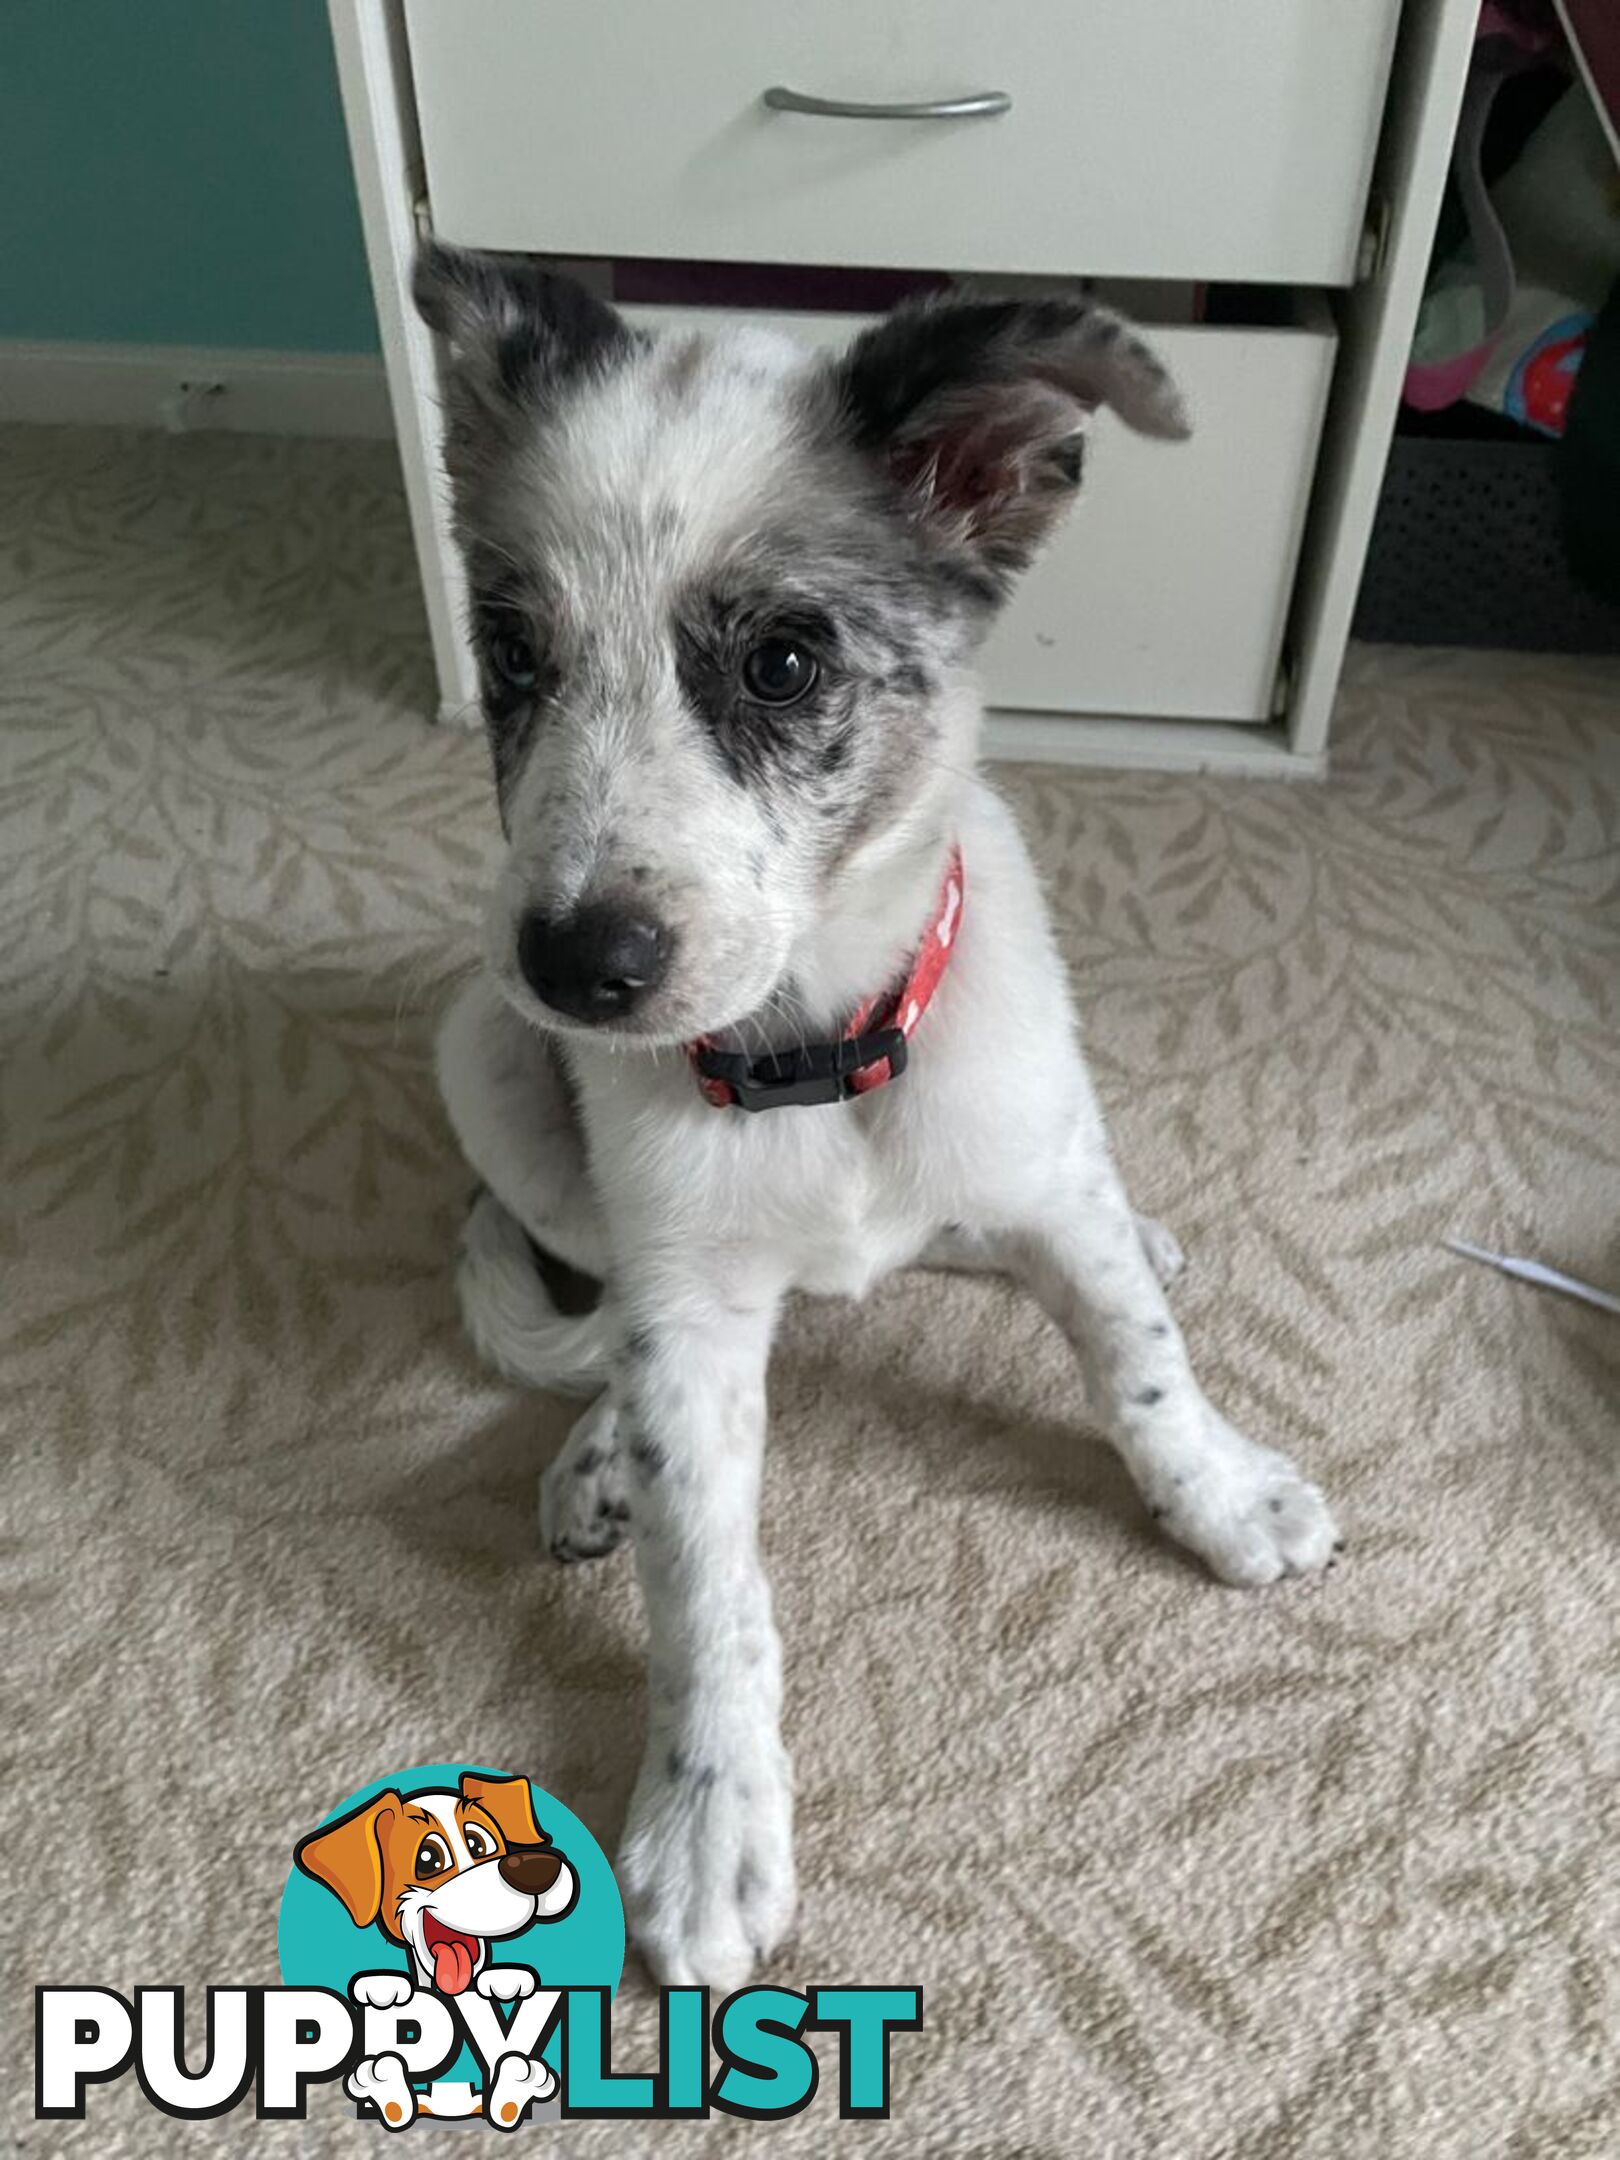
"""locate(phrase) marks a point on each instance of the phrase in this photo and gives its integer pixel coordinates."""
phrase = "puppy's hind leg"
(584, 1503)
(534, 1250)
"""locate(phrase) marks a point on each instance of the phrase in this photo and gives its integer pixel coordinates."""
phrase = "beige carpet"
(1328, 1872)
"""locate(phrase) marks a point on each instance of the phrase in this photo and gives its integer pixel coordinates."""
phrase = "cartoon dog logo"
(446, 1874)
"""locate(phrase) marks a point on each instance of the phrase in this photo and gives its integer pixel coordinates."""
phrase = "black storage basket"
(1467, 549)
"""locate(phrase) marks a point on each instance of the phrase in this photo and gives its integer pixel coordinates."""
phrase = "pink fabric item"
(1511, 37)
(1432, 385)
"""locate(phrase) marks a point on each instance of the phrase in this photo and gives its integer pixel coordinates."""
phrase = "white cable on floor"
(1532, 1271)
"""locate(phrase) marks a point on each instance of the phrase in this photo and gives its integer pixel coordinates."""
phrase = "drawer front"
(1166, 591)
(1220, 139)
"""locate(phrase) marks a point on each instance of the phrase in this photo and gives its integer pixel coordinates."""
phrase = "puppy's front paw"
(518, 2083)
(506, 1983)
(381, 2080)
(382, 1990)
(584, 1504)
(1247, 1512)
(707, 1861)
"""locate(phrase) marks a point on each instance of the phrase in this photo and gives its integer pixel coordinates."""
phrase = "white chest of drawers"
(1196, 608)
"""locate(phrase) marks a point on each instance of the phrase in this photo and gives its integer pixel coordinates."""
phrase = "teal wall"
(174, 172)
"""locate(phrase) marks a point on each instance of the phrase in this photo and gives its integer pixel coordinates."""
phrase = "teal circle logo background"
(318, 1945)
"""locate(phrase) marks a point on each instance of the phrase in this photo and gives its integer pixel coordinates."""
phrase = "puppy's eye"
(432, 1858)
(779, 671)
(479, 1842)
(514, 659)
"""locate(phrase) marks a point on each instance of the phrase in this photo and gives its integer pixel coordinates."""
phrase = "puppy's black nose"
(595, 964)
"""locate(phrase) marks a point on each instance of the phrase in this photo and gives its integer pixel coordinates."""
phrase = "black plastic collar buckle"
(815, 1073)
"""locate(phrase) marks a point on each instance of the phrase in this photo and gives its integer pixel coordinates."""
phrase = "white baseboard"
(1147, 745)
(260, 393)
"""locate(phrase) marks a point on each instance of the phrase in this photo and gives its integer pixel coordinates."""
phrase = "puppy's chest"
(845, 1236)
(834, 1201)
(815, 1195)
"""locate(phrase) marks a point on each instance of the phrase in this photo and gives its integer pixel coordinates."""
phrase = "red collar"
(870, 1052)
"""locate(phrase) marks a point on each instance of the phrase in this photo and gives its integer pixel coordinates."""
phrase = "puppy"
(445, 1874)
(769, 999)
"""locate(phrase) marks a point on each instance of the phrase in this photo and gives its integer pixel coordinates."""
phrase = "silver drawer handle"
(982, 105)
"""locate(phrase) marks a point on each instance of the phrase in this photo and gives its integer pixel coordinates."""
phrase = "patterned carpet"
(1323, 1874)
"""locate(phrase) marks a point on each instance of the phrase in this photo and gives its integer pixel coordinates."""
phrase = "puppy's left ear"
(347, 1856)
(510, 1805)
(515, 331)
(976, 408)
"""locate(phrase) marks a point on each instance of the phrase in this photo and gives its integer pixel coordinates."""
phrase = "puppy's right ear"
(347, 1856)
(976, 408)
(515, 331)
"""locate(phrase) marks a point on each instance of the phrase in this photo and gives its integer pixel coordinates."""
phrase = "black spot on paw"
(588, 1460)
(1275, 1506)
(1148, 1396)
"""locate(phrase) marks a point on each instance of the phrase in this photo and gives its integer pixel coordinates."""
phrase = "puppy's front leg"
(707, 1861)
(1244, 1509)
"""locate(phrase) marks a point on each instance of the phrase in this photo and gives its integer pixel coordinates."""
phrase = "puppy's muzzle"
(596, 964)
(530, 1868)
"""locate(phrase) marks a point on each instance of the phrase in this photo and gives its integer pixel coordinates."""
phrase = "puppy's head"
(444, 1872)
(726, 595)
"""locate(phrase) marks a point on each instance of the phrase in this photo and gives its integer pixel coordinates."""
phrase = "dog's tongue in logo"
(453, 1956)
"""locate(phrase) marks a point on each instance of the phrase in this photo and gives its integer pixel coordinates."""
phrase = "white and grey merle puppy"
(727, 595)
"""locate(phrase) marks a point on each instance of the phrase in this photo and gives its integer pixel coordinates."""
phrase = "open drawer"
(1167, 591)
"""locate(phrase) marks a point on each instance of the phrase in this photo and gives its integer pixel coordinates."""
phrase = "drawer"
(1167, 590)
(1219, 139)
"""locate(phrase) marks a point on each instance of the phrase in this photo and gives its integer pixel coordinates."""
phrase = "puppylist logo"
(451, 1939)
